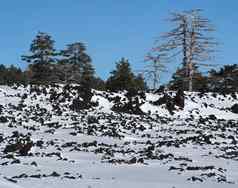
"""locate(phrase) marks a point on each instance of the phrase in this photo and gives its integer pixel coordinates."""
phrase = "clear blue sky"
(111, 29)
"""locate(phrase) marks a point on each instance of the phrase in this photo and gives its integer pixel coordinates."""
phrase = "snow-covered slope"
(98, 148)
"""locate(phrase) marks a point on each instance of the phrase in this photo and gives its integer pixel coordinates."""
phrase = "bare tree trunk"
(154, 71)
(185, 47)
(189, 38)
(190, 59)
(190, 80)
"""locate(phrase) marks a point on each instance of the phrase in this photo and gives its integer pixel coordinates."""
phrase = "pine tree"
(41, 58)
(76, 64)
(98, 84)
(3, 74)
(122, 78)
(224, 80)
(12, 75)
(180, 81)
(140, 83)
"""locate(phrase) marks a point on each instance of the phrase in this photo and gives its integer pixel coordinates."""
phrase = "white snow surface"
(105, 163)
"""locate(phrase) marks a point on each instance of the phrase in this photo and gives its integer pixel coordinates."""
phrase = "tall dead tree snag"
(155, 68)
(171, 46)
(201, 45)
(189, 39)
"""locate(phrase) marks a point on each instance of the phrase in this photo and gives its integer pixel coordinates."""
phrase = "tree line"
(190, 40)
(46, 65)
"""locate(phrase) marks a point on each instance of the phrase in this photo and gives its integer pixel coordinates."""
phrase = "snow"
(5, 184)
(91, 169)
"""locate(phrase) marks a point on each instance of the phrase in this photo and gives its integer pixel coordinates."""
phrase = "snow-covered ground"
(98, 148)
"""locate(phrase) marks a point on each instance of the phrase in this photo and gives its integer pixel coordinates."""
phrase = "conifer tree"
(122, 78)
(12, 75)
(76, 64)
(41, 57)
(140, 83)
(179, 80)
(3, 74)
(224, 80)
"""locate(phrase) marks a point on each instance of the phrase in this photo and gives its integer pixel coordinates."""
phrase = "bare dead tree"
(175, 43)
(190, 39)
(155, 68)
(201, 45)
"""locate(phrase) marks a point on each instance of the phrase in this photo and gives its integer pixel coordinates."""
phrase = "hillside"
(44, 143)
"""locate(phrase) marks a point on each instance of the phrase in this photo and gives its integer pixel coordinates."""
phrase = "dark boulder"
(92, 119)
(132, 106)
(3, 119)
(179, 99)
(234, 108)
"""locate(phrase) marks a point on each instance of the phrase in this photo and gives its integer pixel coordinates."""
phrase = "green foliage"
(180, 80)
(41, 57)
(98, 84)
(73, 64)
(224, 80)
(42, 50)
(123, 78)
(12, 75)
(76, 64)
(140, 83)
